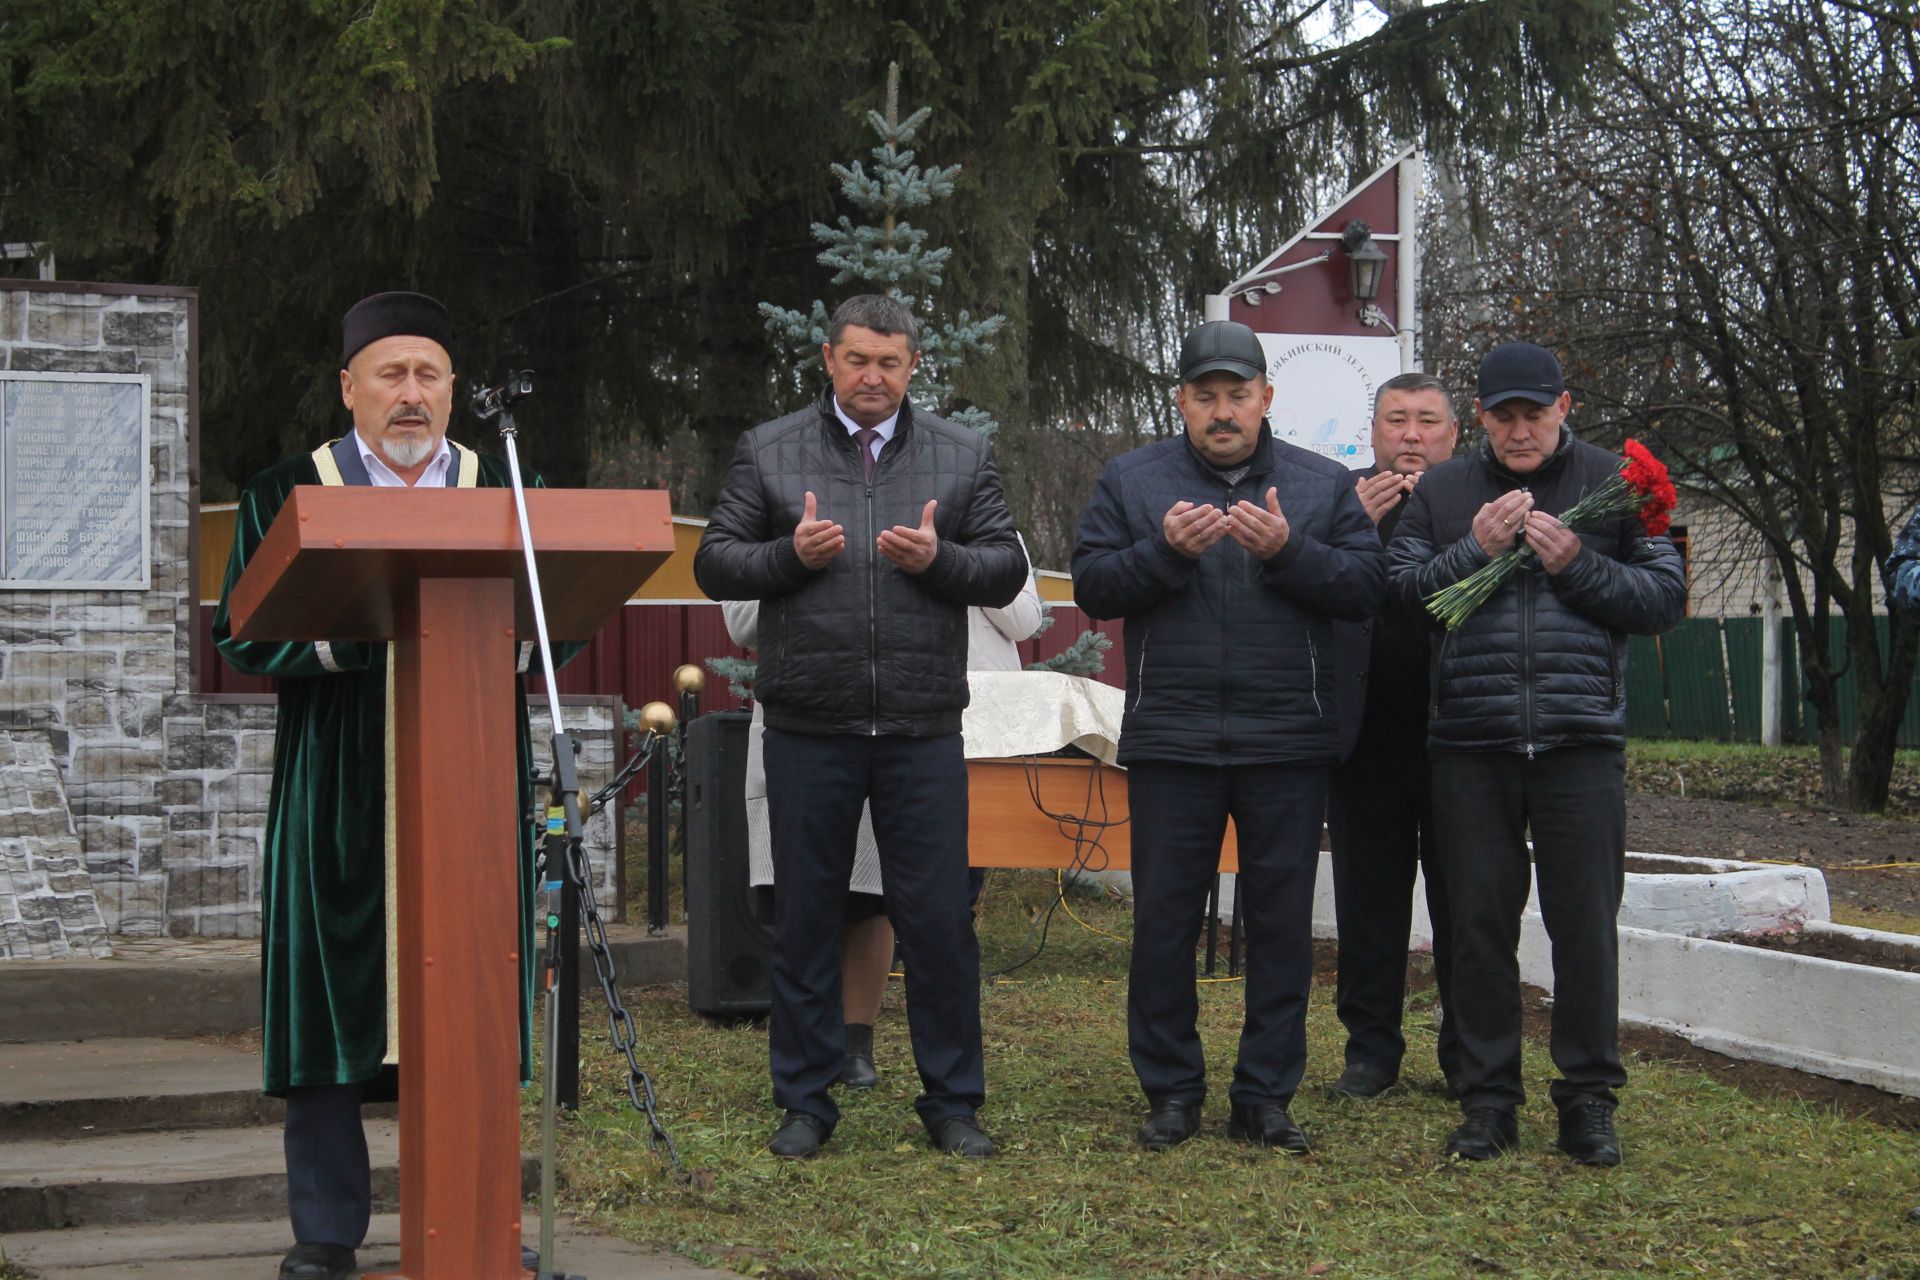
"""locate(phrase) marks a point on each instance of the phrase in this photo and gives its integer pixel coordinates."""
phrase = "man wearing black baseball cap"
(1229, 553)
(325, 912)
(1528, 737)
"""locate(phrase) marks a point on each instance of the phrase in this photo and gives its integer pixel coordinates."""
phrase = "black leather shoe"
(319, 1262)
(1168, 1125)
(960, 1136)
(800, 1135)
(1484, 1134)
(1266, 1124)
(1586, 1133)
(1363, 1080)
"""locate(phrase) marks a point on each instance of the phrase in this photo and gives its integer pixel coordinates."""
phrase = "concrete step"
(157, 987)
(251, 1251)
(97, 1088)
(168, 987)
(195, 1175)
(639, 960)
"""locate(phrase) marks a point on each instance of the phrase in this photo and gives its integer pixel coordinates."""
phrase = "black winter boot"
(857, 1071)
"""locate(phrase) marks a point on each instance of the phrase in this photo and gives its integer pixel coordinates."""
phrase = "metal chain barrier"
(620, 1025)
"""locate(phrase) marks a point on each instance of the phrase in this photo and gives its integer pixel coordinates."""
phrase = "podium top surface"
(335, 558)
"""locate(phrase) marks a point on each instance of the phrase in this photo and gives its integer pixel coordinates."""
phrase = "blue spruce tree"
(888, 254)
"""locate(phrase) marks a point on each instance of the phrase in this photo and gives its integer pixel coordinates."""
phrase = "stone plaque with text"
(73, 480)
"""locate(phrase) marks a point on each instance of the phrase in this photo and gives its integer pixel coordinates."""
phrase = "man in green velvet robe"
(325, 901)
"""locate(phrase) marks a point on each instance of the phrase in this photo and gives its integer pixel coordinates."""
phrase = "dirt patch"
(1662, 867)
(1853, 849)
(1828, 946)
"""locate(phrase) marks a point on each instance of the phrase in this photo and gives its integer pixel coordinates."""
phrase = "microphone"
(488, 401)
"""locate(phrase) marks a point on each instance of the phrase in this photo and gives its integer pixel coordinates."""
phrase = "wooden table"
(1007, 828)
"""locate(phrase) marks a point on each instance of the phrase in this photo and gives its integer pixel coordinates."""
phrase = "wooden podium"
(441, 573)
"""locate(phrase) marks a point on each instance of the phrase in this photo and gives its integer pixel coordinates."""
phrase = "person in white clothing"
(994, 635)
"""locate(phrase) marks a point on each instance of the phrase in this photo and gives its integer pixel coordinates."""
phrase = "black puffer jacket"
(1543, 662)
(860, 646)
(1229, 660)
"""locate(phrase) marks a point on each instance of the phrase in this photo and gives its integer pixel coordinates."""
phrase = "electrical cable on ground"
(1838, 866)
(1074, 827)
(1084, 830)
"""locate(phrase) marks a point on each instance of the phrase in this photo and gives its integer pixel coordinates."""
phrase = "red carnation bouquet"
(1640, 487)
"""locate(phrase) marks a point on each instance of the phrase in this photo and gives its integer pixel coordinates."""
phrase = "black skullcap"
(385, 315)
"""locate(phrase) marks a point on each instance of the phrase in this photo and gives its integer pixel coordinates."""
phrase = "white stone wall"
(165, 802)
(47, 906)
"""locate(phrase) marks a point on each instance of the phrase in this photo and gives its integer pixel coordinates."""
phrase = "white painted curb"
(1848, 1021)
(1738, 897)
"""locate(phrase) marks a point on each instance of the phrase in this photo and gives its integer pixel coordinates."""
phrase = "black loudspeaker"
(729, 942)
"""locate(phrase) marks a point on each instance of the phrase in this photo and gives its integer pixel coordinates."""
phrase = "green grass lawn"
(1716, 1182)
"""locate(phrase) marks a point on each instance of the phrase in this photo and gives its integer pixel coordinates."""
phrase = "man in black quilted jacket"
(865, 527)
(1527, 735)
(1229, 553)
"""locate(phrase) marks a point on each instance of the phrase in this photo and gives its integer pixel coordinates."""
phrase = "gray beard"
(408, 452)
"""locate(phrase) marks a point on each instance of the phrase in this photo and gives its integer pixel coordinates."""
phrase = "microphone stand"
(564, 829)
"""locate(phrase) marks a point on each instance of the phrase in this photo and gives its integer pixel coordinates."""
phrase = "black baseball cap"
(1520, 371)
(1222, 346)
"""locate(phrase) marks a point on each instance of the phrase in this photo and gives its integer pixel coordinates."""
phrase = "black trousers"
(329, 1186)
(1573, 800)
(1380, 821)
(1180, 816)
(917, 788)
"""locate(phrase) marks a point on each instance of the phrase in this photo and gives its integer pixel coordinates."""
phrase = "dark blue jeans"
(329, 1185)
(1180, 816)
(917, 788)
(1573, 801)
(1380, 821)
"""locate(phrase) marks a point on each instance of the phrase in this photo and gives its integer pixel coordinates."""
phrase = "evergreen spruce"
(889, 255)
(737, 672)
(1086, 656)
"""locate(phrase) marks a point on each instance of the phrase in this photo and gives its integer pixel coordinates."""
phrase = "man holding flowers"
(1545, 553)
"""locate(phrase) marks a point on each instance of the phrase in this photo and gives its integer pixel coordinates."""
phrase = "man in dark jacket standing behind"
(1228, 553)
(1380, 811)
(1528, 734)
(865, 528)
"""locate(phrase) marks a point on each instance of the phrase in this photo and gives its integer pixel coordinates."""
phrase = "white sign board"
(73, 480)
(1323, 391)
